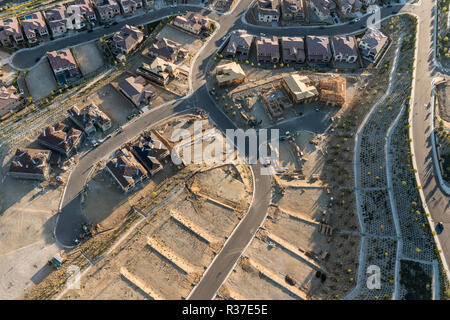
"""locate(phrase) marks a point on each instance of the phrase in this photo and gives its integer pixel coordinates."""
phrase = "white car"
(357, 19)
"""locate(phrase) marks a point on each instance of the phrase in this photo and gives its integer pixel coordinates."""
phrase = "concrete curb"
(445, 187)
(390, 188)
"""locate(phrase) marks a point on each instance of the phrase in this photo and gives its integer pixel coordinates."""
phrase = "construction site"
(260, 98)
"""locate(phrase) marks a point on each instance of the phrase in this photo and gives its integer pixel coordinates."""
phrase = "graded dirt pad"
(115, 105)
(287, 158)
(314, 159)
(222, 183)
(307, 201)
(304, 235)
(40, 80)
(216, 220)
(282, 262)
(88, 57)
(248, 282)
(27, 213)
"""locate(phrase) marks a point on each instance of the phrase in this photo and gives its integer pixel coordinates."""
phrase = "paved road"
(437, 201)
(72, 217)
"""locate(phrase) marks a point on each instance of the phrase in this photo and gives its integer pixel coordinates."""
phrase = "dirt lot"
(40, 80)
(187, 41)
(88, 57)
(310, 202)
(115, 105)
(282, 248)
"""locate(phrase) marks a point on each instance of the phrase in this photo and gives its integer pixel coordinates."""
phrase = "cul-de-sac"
(224, 149)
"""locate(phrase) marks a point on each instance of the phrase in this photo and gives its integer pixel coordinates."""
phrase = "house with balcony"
(322, 9)
(129, 7)
(57, 20)
(10, 32)
(86, 11)
(268, 11)
(64, 66)
(293, 49)
(167, 49)
(372, 44)
(107, 9)
(318, 49)
(151, 152)
(192, 22)
(159, 71)
(34, 28)
(127, 39)
(293, 10)
(347, 7)
(240, 43)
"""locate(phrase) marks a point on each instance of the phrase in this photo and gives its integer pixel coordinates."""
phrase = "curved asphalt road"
(71, 216)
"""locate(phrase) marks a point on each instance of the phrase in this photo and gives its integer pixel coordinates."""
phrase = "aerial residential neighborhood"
(225, 150)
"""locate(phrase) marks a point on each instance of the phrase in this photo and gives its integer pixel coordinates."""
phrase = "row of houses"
(288, 10)
(316, 49)
(295, 10)
(108, 9)
(58, 20)
(38, 26)
(324, 8)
